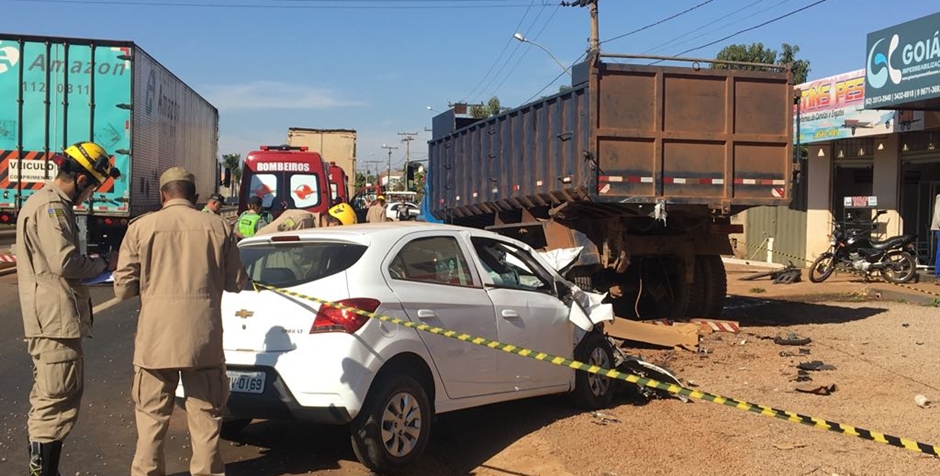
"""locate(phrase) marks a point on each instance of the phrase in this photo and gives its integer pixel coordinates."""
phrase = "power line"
(781, 17)
(443, 4)
(723, 17)
(506, 47)
(664, 20)
(524, 53)
(720, 28)
(554, 80)
(511, 56)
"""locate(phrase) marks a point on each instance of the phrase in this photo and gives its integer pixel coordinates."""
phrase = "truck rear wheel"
(716, 285)
(697, 289)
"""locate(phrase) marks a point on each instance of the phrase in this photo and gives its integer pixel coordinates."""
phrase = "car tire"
(231, 427)
(395, 402)
(592, 391)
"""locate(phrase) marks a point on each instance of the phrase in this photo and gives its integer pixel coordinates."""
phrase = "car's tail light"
(331, 319)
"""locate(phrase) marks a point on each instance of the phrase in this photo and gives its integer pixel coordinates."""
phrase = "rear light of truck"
(4, 218)
(331, 319)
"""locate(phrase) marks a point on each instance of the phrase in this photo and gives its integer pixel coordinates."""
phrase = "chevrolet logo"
(244, 313)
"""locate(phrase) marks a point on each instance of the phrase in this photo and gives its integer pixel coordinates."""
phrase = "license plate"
(245, 382)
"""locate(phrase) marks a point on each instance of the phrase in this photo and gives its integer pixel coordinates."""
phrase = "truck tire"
(697, 289)
(716, 285)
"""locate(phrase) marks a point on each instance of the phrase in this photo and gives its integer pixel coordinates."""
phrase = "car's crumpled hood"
(587, 310)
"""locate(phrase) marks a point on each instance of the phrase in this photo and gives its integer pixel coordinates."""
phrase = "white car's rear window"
(285, 266)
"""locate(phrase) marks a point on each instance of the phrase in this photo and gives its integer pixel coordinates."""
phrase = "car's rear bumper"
(277, 402)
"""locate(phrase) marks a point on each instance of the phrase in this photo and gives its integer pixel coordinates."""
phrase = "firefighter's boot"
(44, 458)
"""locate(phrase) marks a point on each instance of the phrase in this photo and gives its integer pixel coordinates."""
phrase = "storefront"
(873, 141)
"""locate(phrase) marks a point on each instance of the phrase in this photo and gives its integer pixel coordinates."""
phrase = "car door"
(528, 314)
(438, 286)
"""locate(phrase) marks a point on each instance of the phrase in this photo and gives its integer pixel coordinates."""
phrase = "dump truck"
(638, 167)
(57, 91)
(334, 145)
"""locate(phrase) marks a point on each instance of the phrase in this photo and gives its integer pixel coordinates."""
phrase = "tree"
(758, 53)
(361, 180)
(491, 108)
(233, 162)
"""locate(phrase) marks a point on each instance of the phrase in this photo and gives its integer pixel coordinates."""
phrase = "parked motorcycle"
(853, 251)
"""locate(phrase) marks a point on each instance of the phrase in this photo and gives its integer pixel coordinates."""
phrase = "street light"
(432, 109)
(523, 39)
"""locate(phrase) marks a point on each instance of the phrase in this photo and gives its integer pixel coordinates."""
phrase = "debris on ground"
(792, 338)
(644, 369)
(816, 389)
(921, 401)
(785, 447)
(603, 418)
(815, 365)
(677, 335)
(788, 275)
(716, 325)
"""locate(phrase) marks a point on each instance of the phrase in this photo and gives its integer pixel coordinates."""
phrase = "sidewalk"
(839, 285)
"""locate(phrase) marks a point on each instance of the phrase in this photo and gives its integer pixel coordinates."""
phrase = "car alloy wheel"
(394, 425)
(401, 424)
(599, 385)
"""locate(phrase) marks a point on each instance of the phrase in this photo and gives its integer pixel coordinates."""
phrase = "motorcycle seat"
(894, 241)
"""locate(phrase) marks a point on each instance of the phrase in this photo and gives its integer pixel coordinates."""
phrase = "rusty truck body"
(639, 166)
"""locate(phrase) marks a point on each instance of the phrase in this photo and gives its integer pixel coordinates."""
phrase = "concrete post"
(818, 213)
(885, 185)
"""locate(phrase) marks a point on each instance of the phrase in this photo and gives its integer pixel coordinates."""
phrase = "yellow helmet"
(344, 213)
(94, 159)
(380, 197)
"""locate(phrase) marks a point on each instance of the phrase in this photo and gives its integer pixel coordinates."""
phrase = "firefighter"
(56, 306)
(377, 213)
(340, 214)
(179, 261)
(214, 205)
(251, 220)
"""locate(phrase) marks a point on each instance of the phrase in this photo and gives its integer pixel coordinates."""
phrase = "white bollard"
(770, 250)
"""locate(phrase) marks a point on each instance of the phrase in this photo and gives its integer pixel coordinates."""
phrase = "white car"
(391, 210)
(292, 358)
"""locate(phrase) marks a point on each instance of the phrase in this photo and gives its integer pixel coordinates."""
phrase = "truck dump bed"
(625, 136)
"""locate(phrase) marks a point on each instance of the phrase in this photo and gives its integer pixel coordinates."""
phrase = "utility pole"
(388, 178)
(409, 136)
(594, 43)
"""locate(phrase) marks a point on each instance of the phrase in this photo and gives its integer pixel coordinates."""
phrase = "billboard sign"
(834, 108)
(903, 63)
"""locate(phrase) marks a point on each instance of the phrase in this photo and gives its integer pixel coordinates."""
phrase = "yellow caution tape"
(855, 272)
(628, 377)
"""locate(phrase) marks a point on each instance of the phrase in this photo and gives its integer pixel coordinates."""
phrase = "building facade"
(871, 141)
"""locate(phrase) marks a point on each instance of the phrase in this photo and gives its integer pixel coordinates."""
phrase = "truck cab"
(339, 184)
(285, 177)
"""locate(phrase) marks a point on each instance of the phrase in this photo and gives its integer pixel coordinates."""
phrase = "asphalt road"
(102, 442)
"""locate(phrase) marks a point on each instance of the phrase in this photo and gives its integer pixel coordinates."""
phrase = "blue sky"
(377, 69)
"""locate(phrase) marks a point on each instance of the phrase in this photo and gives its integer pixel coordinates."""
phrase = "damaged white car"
(292, 358)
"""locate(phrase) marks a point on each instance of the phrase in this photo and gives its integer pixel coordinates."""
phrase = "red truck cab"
(285, 178)
(339, 184)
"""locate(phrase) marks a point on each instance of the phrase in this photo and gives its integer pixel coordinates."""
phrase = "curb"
(911, 297)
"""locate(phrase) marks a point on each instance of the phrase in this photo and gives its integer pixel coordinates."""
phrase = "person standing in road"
(251, 220)
(935, 226)
(179, 261)
(214, 205)
(377, 213)
(56, 306)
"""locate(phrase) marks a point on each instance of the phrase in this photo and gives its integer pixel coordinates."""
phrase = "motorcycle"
(853, 251)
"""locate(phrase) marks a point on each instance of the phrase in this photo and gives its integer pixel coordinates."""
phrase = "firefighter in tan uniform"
(340, 214)
(179, 261)
(55, 304)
